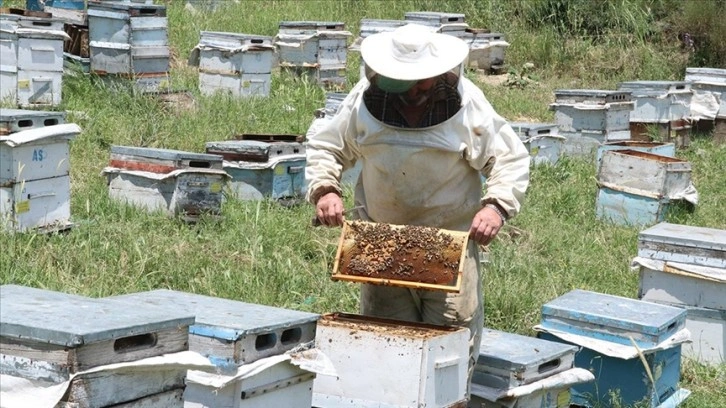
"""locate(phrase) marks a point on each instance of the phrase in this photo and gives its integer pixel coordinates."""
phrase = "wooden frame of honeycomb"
(401, 255)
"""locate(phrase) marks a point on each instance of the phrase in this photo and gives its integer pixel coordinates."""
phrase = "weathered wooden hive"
(711, 81)
(685, 266)
(590, 117)
(129, 40)
(542, 141)
(35, 184)
(318, 49)
(487, 50)
(31, 49)
(177, 182)
(660, 148)
(231, 334)
(637, 188)
(240, 64)
(263, 166)
(612, 332)
(53, 337)
(391, 363)
(522, 371)
(663, 105)
(369, 26)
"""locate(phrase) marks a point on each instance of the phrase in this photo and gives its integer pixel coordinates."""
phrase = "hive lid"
(71, 321)
(530, 129)
(706, 75)
(246, 149)
(586, 309)
(685, 235)
(513, 351)
(591, 95)
(401, 255)
(646, 88)
(220, 318)
(312, 25)
(164, 154)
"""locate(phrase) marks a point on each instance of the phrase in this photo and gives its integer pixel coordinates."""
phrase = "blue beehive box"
(263, 166)
(621, 321)
(627, 208)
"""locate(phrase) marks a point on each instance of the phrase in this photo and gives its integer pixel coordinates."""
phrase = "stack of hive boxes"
(246, 342)
(542, 141)
(632, 347)
(31, 58)
(263, 166)
(318, 49)
(109, 353)
(520, 371)
(178, 183)
(588, 118)
(240, 64)
(638, 188)
(685, 266)
(130, 40)
(713, 81)
(35, 185)
(665, 105)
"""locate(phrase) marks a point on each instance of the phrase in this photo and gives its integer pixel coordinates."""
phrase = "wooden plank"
(103, 389)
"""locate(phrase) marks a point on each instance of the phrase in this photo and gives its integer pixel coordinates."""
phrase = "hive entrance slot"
(133, 343)
(50, 122)
(25, 123)
(199, 164)
(452, 19)
(548, 366)
(291, 336)
(265, 341)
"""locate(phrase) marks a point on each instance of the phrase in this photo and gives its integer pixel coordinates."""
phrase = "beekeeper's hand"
(486, 224)
(329, 210)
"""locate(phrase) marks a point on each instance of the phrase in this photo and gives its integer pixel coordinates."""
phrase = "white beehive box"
(8, 61)
(711, 80)
(597, 111)
(434, 18)
(42, 205)
(658, 101)
(542, 141)
(128, 38)
(50, 336)
(684, 244)
(486, 50)
(36, 153)
(369, 26)
(708, 335)
(389, 363)
(15, 120)
(237, 63)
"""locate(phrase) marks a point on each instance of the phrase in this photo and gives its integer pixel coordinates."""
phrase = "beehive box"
(261, 169)
(684, 244)
(9, 57)
(401, 255)
(127, 38)
(434, 18)
(51, 335)
(238, 63)
(382, 362)
(645, 173)
(710, 80)
(508, 360)
(486, 50)
(370, 26)
(621, 207)
(37, 153)
(667, 149)
(176, 182)
(612, 318)
(15, 120)
(233, 333)
(682, 284)
(40, 205)
(39, 61)
(542, 141)
(68, 11)
(602, 111)
(708, 335)
(659, 101)
(620, 321)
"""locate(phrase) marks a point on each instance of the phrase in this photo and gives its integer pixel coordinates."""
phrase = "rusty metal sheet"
(401, 255)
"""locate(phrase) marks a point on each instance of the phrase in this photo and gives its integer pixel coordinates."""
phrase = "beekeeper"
(424, 135)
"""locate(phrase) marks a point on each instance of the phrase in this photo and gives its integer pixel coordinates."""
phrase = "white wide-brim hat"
(412, 52)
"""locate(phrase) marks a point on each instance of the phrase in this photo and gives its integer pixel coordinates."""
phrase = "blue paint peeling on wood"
(619, 207)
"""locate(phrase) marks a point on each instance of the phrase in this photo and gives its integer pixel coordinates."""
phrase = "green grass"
(264, 253)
